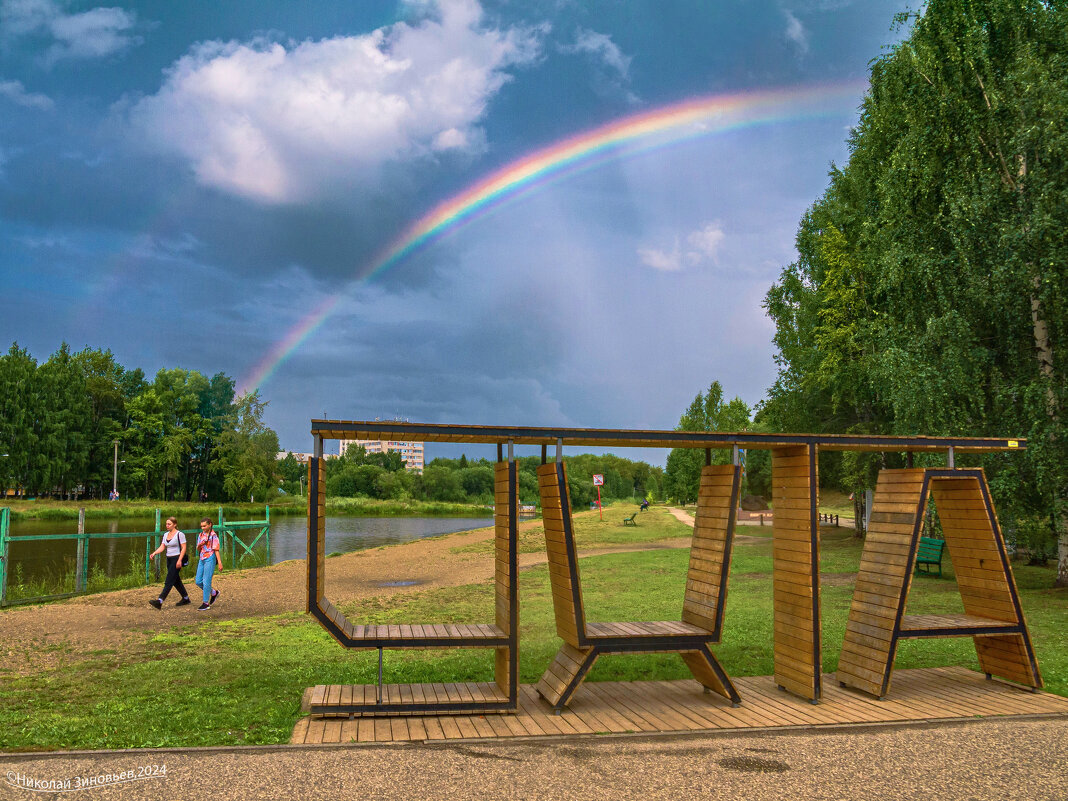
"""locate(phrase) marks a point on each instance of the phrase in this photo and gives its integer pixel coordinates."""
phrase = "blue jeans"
(205, 570)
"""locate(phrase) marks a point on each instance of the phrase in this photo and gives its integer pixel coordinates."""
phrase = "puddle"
(404, 583)
(751, 764)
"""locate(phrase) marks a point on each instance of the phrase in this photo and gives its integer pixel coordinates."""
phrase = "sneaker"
(156, 602)
(202, 607)
(214, 595)
(184, 602)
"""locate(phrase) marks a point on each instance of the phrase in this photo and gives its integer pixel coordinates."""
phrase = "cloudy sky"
(187, 183)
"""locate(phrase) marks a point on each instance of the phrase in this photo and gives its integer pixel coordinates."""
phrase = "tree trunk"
(1044, 353)
(858, 513)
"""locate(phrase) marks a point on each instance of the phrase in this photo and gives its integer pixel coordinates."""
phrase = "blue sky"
(184, 182)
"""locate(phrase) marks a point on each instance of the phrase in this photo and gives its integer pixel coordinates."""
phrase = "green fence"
(230, 540)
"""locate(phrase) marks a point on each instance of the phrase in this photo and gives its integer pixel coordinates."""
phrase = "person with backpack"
(208, 548)
(175, 545)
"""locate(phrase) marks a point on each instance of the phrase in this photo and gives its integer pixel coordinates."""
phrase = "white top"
(175, 543)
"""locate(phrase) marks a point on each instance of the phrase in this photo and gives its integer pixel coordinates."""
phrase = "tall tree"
(247, 451)
(18, 397)
(707, 412)
(949, 217)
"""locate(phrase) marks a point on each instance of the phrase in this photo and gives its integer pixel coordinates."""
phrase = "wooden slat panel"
(882, 581)
(570, 620)
(713, 528)
(796, 594)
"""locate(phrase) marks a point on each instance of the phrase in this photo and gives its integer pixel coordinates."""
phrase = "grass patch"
(241, 681)
(591, 532)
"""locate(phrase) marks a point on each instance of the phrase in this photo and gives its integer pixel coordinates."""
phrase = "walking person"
(175, 545)
(208, 548)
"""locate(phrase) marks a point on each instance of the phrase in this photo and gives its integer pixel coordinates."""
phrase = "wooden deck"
(681, 706)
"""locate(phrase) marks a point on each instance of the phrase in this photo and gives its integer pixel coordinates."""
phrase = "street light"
(115, 471)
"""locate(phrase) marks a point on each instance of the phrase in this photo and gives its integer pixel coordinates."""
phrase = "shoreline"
(348, 507)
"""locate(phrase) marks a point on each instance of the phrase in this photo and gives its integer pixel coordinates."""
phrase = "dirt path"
(33, 637)
(685, 517)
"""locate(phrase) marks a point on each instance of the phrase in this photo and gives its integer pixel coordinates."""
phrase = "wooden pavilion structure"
(876, 621)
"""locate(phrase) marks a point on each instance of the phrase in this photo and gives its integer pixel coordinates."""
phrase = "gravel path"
(990, 759)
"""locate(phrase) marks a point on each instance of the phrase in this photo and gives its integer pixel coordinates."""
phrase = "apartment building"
(411, 452)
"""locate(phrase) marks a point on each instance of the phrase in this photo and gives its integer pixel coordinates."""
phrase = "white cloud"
(665, 261)
(16, 93)
(702, 246)
(601, 46)
(96, 33)
(795, 31)
(279, 122)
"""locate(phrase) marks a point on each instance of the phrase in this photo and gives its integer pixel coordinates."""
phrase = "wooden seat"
(502, 635)
(706, 590)
(992, 614)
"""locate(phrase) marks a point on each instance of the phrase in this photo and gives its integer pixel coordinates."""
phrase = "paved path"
(972, 760)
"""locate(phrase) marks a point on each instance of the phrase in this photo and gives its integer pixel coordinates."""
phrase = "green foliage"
(707, 412)
(247, 451)
(59, 420)
(930, 293)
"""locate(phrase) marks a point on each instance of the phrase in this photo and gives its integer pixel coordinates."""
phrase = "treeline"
(182, 436)
(930, 295)
(463, 480)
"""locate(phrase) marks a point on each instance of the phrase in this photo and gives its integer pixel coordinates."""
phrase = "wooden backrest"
(560, 549)
(976, 549)
(710, 551)
(930, 549)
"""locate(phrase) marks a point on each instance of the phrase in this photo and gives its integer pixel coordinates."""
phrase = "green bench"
(629, 521)
(930, 553)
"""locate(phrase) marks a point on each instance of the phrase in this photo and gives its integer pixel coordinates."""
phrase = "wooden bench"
(702, 609)
(992, 614)
(929, 553)
(502, 695)
(629, 521)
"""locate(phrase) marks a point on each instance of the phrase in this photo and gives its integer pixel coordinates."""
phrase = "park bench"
(929, 553)
(702, 611)
(629, 521)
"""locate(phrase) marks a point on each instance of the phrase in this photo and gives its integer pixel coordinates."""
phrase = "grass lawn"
(231, 682)
(653, 525)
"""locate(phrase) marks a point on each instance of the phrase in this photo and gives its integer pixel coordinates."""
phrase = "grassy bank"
(240, 681)
(356, 507)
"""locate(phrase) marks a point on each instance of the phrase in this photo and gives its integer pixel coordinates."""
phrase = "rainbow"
(634, 134)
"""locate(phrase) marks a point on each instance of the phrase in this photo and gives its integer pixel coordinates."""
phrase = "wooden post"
(83, 545)
(795, 543)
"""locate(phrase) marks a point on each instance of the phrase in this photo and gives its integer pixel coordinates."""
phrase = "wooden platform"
(681, 706)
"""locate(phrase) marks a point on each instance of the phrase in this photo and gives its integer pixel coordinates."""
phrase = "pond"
(53, 561)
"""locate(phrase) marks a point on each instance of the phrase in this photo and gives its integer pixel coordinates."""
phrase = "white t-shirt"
(175, 543)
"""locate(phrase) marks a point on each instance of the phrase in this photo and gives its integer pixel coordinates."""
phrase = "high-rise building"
(411, 452)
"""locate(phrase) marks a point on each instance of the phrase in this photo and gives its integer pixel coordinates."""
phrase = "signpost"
(598, 481)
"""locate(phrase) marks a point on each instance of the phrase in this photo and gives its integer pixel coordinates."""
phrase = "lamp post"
(301, 485)
(115, 470)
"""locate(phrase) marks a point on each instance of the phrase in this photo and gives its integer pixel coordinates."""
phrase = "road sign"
(598, 480)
